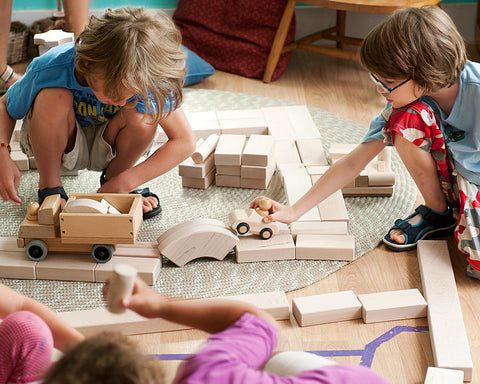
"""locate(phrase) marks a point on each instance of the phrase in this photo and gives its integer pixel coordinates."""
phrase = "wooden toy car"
(249, 221)
(49, 228)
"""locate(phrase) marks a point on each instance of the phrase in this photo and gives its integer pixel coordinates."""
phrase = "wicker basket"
(17, 43)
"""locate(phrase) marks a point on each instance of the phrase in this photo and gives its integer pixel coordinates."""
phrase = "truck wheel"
(36, 250)
(266, 233)
(243, 228)
(102, 253)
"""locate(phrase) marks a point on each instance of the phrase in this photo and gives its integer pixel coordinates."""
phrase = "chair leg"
(279, 40)
(340, 27)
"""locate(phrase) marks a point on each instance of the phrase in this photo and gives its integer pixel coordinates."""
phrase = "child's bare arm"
(9, 173)
(338, 175)
(64, 335)
(207, 315)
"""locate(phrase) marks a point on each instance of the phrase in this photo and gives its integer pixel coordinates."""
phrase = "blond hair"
(107, 358)
(421, 44)
(135, 49)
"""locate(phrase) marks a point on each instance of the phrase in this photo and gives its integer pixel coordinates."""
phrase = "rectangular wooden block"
(188, 168)
(325, 247)
(275, 303)
(318, 228)
(279, 124)
(229, 150)
(147, 268)
(286, 152)
(49, 210)
(232, 170)
(20, 160)
(246, 126)
(252, 248)
(16, 265)
(338, 150)
(326, 308)
(296, 182)
(236, 114)
(70, 267)
(311, 152)
(8, 244)
(201, 183)
(227, 181)
(333, 208)
(138, 249)
(259, 151)
(246, 182)
(392, 305)
(305, 127)
(253, 172)
(368, 191)
(443, 376)
(445, 321)
(203, 123)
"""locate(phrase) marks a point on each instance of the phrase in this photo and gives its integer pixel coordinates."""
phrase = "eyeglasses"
(385, 87)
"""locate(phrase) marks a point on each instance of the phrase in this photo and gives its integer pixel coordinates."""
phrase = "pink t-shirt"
(235, 355)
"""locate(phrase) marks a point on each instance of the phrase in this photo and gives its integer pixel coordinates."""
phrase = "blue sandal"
(432, 224)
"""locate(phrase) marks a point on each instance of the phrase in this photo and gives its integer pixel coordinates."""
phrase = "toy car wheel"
(266, 233)
(36, 250)
(102, 253)
(243, 228)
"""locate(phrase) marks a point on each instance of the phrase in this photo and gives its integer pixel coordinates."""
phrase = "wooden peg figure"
(263, 207)
(32, 210)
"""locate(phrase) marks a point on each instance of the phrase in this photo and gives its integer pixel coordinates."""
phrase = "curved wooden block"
(199, 238)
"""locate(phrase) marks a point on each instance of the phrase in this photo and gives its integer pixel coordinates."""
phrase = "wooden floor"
(344, 88)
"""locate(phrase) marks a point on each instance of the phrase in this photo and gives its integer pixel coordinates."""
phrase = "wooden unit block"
(52, 38)
(138, 249)
(198, 238)
(259, 151)
(236, 114)
(443, 376)
(325, 247)
(361, 180)
(318, 228)
(20, 160)
(229, 150)
(203, 124)
(445, 321)
(326, 308)
(16, 130)
(147, 268)
(188, 168)
(275, 303)
(246, 126)
(49, 210)
(258, 183)
(227, 181)
(205, 149)
(201, 183)
(253, 172)
(317, 170)
(296, 182)
(279, 124)
(338, 150)
(381, 178)
(16, 265)
(9, 244)
(252, 248)
(305, 127)
(62, 266)
(368, 191)
(230, 170)
(333, 208)
(286, 152)
(392, 305)
(311, 152)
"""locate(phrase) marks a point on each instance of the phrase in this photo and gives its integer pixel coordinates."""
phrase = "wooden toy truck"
(49, 228)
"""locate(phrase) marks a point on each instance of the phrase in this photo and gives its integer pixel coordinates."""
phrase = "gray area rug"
(370, 219)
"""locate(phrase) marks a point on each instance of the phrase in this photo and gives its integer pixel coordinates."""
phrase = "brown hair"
(135, 49)
(421, 44)
(107, 358)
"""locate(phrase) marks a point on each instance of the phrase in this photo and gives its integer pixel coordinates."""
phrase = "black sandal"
(45, 192)
(145, 192)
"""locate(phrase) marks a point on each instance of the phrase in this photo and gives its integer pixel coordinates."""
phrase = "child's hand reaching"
(277, 211)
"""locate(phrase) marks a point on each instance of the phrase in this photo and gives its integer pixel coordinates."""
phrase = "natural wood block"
(201, 183)
(361, 180)
(227, 181)
(198, 238)
(236, 114)
(317, 170)
(20, 160)
(253, 172)
(333, 208)
(286, 152)
(311, 152)
(279, 124)
(259, 151)
(16, 265)
(147, 268)
(229, 150)
(188, 168)
(34, 230)
(8, 244)
(445, 321)
(203, 124)
(381, 178)
(392, 305)
(325, 247)
(246, 126)
(318, 228)
(205, 149)
(443, 376)
(252, 248)
(296, 182)
(138, 249)
(258, 183)
(338, 150)
(231, 170)
(52, 38)
(49, 210)
(62, 266)
(326, 308)
(275, 303)
(305, 127)
(368, 191)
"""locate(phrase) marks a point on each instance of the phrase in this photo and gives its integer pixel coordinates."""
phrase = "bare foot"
(149, 203)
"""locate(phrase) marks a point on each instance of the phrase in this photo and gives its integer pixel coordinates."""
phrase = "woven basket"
(17, 43)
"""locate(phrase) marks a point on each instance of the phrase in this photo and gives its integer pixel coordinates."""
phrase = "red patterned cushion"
(233, 35)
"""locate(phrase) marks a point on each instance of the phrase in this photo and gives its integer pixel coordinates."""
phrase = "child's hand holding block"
(121, 285)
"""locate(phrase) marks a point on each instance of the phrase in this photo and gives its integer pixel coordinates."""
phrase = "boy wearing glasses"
(417, 59)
